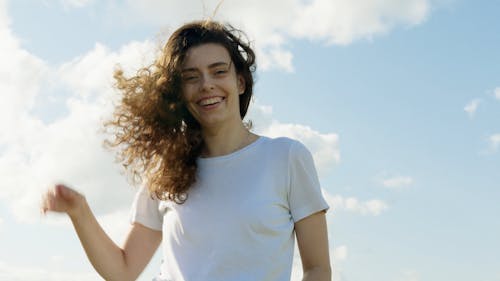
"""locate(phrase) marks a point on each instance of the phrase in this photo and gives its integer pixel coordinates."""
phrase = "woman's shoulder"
(283, 144)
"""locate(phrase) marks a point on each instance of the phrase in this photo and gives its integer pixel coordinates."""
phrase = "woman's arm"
(109, 260)
(312, 240)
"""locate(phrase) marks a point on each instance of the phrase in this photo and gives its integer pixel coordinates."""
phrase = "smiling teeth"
(211, 101)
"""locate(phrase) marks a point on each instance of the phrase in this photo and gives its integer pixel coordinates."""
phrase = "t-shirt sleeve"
(305, 197)
(145, 210)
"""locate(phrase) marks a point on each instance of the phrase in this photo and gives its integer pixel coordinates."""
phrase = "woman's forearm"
(105, 256)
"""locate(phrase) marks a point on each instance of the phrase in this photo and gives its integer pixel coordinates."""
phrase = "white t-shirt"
(238, 220)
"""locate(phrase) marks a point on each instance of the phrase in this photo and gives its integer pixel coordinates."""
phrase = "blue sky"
(399, 101)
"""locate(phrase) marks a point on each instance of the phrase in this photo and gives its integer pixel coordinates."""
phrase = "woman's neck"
(226, 139)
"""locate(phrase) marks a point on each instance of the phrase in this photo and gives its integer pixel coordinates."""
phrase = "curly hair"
(157, 138)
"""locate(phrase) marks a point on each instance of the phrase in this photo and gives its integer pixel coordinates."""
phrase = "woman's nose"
(207, 83)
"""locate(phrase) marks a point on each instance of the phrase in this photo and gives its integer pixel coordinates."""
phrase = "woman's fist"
(62, 199)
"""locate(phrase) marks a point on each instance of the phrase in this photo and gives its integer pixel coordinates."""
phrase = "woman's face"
(210, 85)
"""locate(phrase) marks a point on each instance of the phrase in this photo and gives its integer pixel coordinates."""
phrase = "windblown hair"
(157, 138)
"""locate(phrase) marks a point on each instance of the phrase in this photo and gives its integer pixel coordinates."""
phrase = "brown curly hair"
(157, 138)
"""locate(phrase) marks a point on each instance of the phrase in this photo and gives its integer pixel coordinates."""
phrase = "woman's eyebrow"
(212, 65)
(216, 64)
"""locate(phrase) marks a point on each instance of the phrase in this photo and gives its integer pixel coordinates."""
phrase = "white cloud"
(494, 141)
(69, 149)
(274, 22)
(471, 107)
(496, 92)
(21, 76)
(275, 58)
(4, 19)
(90, 76)
(397, 182)
(340, 254)
(372, 207)
(342, 22)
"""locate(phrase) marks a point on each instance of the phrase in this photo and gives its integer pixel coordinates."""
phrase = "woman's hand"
(62, 199)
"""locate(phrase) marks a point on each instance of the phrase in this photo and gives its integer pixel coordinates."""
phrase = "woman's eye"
(190, 78)
(221, 71)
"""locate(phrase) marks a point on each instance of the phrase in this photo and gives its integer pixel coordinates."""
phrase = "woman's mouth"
(209, 102)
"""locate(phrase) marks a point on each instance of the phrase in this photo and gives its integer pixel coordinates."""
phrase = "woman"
(224, 202)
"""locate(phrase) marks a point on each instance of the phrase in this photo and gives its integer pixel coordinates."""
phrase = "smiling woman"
(226, 202)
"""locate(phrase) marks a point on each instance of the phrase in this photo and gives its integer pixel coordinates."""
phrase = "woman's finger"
(49, 201)
(64, 191)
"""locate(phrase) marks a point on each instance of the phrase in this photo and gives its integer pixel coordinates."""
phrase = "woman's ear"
(241, 84)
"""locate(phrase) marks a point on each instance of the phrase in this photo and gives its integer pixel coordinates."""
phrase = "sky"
(398, 101)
